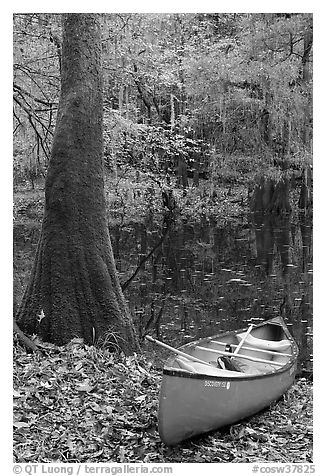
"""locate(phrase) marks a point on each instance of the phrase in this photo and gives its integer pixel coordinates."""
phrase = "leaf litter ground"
(84, 404)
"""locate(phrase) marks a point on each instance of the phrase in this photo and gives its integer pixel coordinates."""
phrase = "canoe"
(197, 396)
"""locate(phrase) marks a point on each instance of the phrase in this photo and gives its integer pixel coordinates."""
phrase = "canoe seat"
(264, 344)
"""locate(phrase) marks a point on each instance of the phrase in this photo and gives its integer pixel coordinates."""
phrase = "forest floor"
(83, 404)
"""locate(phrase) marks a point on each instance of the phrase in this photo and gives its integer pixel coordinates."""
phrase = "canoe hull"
(197, 401)
(191, 406)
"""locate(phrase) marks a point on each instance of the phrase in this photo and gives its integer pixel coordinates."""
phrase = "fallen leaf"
(141, 398)
(21, 424)
(95, 406)
(109, 410)
(84, 387)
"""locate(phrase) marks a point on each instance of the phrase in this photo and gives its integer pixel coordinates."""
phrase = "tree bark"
(280, 204)
(305, 199)
(182, 179)
(307, 47)
(269, 197)
(74, 290)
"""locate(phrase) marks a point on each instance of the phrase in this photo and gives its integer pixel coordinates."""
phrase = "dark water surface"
(204, 279)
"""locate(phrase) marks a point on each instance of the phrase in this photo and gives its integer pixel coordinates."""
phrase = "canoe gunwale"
(275, 320)
(244, 376)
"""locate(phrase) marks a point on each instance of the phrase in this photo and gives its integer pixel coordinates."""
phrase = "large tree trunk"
(74, 289)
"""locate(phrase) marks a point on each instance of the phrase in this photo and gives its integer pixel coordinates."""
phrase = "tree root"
(29, 344)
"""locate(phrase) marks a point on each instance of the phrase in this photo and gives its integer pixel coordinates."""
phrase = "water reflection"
(203, 279)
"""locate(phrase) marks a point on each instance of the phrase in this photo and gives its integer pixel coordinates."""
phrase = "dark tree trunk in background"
(306, 237)
(182, 172)
(305, 199)
(280, 204)
(74, 290)
(262, 195)
(265, 240)
(283, 243)
(266, 117)
(268, 197)
(197, 158)
(307, 47)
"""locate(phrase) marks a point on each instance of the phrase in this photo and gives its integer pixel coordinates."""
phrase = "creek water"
(206, 278)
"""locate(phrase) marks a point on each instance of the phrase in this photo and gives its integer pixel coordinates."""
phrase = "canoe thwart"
(265, 344)
(240, 356)
(266, 351)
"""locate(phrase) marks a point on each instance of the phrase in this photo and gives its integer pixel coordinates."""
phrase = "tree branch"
(18, 122)
(23, 91)
(167, 222)
(31, 114)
